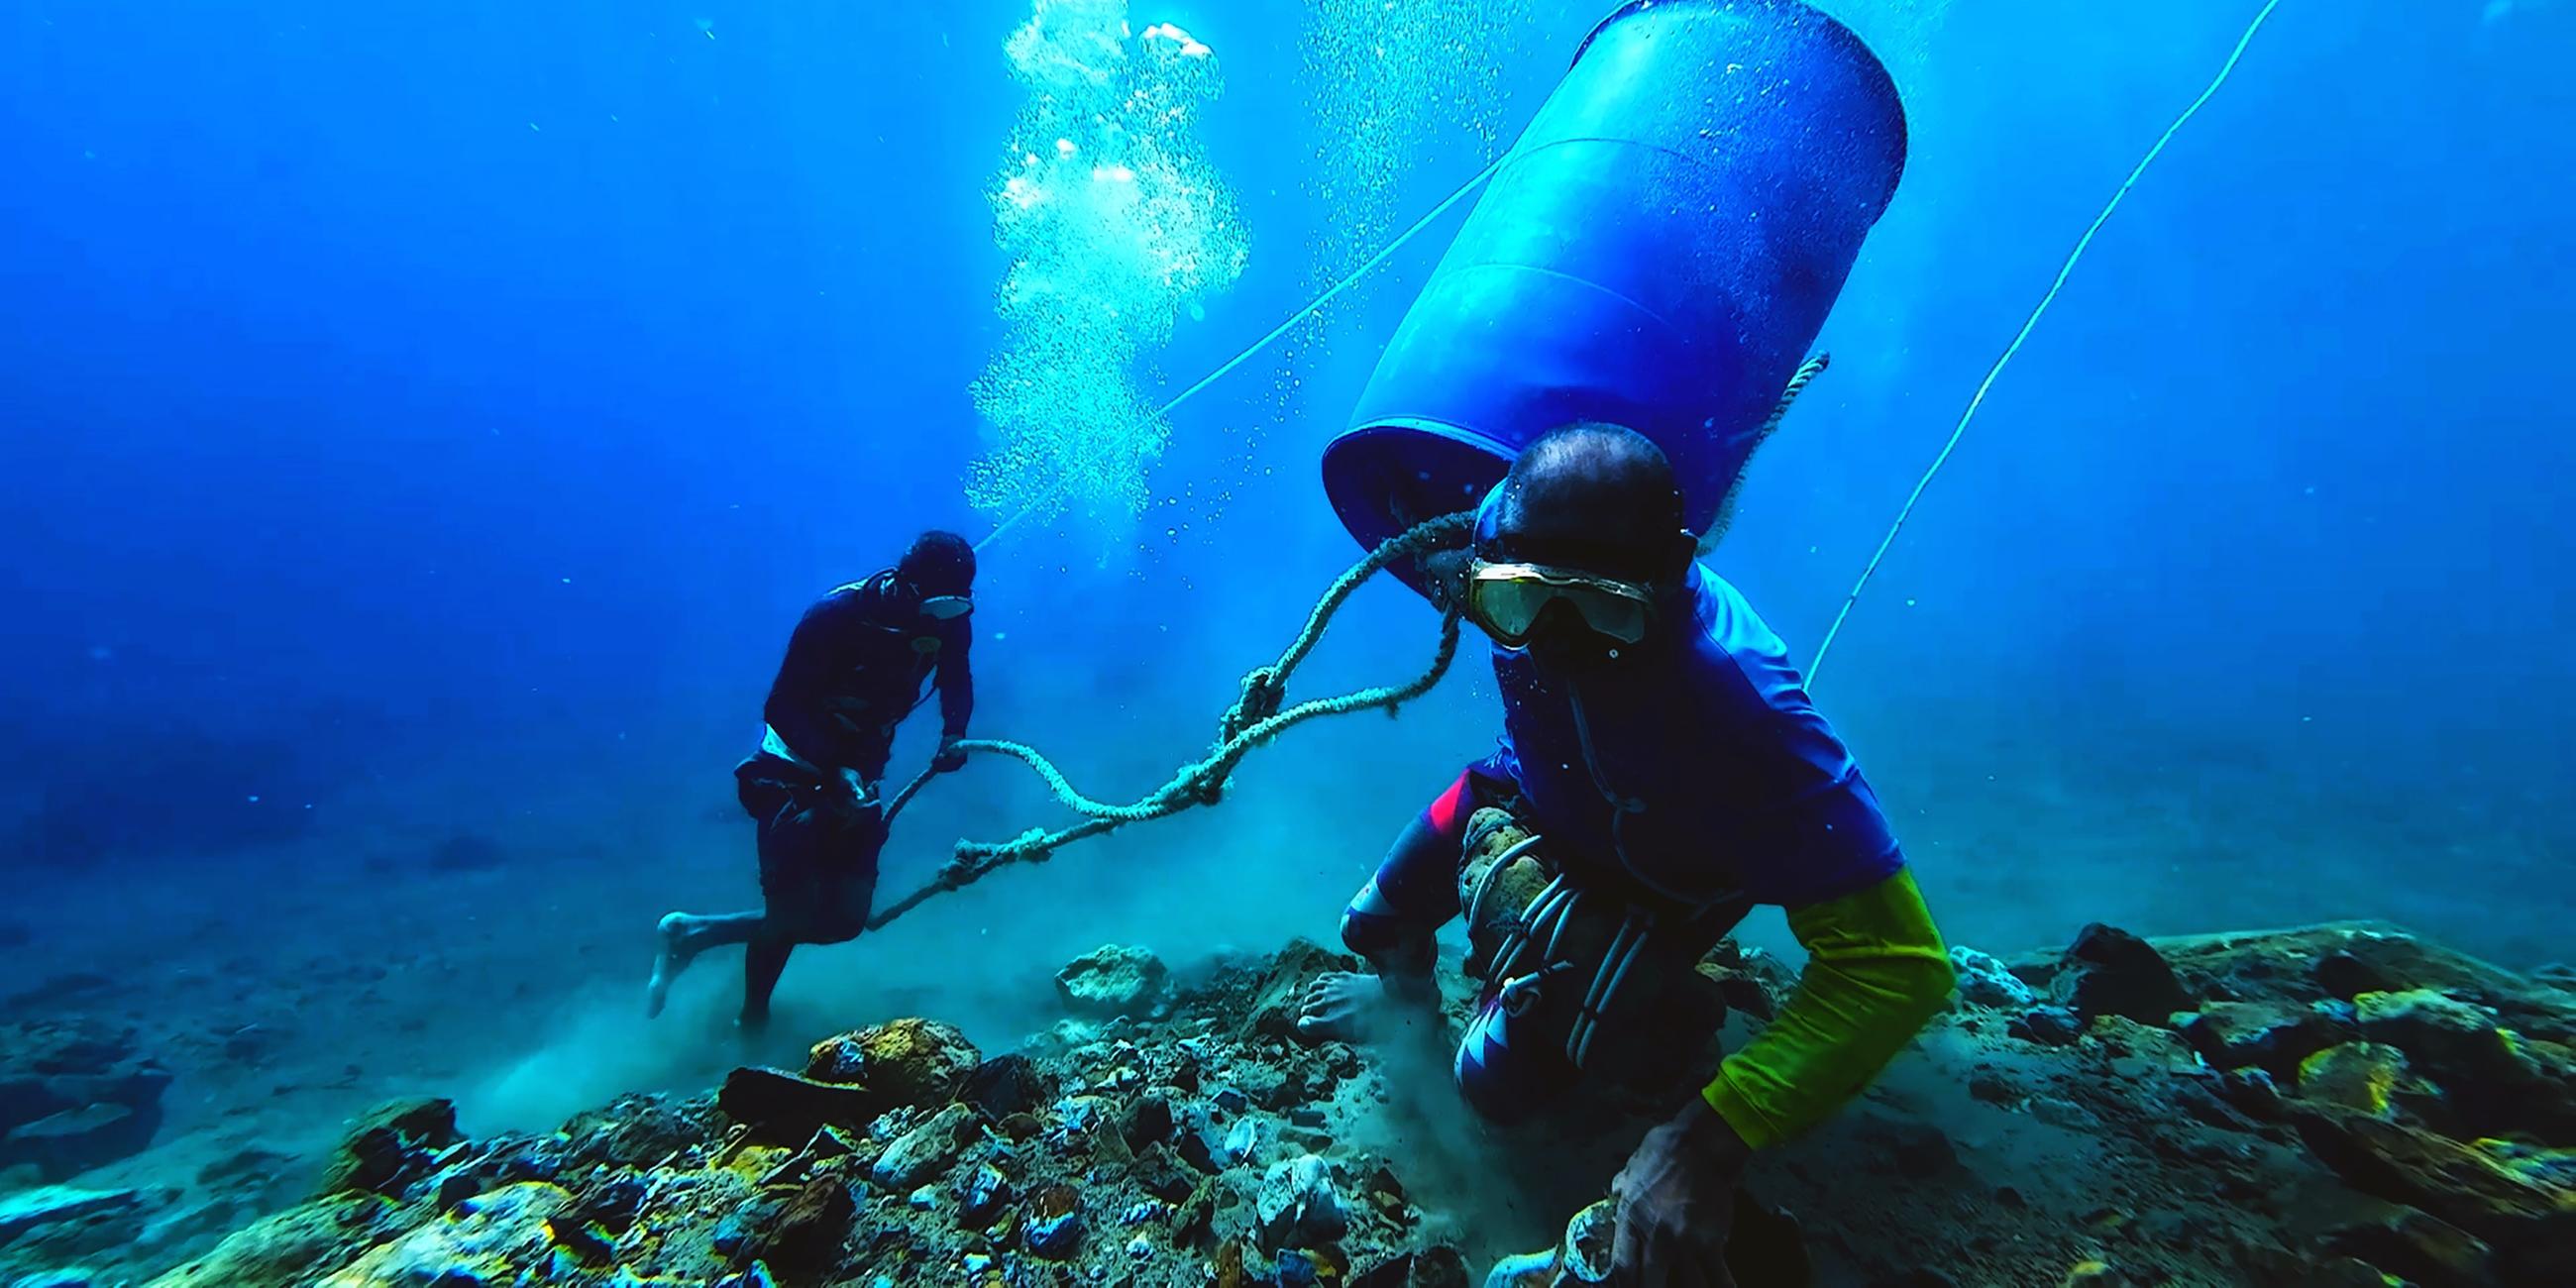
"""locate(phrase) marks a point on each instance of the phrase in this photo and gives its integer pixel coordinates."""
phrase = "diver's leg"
(1506, 1075)
(763, 961)
(849, 875)
(681, 935)
(685, 935)
(1391, 923)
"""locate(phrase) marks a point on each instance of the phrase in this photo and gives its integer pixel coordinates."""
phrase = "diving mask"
(1506, 599)
(946, 608)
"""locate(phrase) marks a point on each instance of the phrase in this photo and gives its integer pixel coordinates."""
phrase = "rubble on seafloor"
(2326, 1106)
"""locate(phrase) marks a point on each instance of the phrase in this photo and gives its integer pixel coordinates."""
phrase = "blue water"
(425, 421)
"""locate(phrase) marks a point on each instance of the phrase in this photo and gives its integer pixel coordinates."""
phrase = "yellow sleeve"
(1876, 973)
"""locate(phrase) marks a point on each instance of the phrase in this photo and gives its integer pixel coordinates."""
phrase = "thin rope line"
(2064, 271)
(1312, 306)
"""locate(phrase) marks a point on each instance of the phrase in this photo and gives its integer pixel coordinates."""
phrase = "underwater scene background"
(424, 423)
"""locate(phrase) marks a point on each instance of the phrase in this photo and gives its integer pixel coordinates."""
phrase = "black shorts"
(818, 857)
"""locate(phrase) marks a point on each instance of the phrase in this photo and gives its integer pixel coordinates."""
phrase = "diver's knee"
(1502, 1081)
(1386, 941)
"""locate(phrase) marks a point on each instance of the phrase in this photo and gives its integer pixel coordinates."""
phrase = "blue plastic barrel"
(1658, 250)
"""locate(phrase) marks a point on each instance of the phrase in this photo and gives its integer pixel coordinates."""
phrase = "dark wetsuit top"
(854, 669)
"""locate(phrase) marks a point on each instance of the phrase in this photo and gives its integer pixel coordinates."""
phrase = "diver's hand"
(1676, 1200)
(950, 757)
(851, 797)
(1444, 572)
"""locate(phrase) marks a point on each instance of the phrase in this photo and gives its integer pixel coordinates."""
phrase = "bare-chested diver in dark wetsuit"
(853, 670)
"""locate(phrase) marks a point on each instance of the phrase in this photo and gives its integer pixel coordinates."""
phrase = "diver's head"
(940, 570)
(1581, 546)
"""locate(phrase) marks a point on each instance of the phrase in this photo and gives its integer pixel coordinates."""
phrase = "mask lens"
(1506, 600)
(1507, 609)
(947, 607)
(1614, 615)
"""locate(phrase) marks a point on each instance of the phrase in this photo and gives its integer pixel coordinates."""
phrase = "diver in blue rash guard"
(853, 670)
(1663, 771)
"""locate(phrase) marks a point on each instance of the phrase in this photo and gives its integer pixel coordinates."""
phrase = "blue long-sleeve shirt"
(1699, 766)
(854, 669)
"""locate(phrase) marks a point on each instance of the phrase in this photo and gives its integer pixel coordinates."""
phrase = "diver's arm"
(955, 680)
(1876, 973)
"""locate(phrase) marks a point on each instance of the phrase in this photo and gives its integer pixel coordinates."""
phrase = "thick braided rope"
(1253, 720)
(1725, 516)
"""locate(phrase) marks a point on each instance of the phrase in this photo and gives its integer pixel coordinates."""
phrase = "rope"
(2029, 324)
(1312, 307)
(1725, 516)
(1255, 718)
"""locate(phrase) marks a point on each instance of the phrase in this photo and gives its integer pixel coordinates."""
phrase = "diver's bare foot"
(674, 956)
(1342, 1006)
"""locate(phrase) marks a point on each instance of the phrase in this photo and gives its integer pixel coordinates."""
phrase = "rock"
(2361, 1076)
(2108, 971)
(390, 1146)
(637, 1131)
(2421, 1248)
(1149, 1120)
(284, 1250)
(2426, 1024)
(1242, 1141)
(2274, 1036)
(55, 1204)
(75, 1094)
(2092, 1274)
(804, 1239)
(1055, 1223)
(1006, 1085)
(901, 1062)
(983, 1194)
(75, 1140)
(2483, 1188)
(1297, 1205)
(488, 1239)
(923, 1152)
(1918, 1149)
(2047, 1025)
(1162, 1174)
(1438, 1267)
(1294, 1269)
(784, 1106)
(1112, 981)
(1986, 981)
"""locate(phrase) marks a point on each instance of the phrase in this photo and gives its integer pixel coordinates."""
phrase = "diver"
(1660, 749)
(854, 669)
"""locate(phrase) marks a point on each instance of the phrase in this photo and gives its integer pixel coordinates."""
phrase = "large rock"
(55, 1204)
(2274, 1036)
(2506, 1198)
(289, 1249)
(1111, 981)
(492, 1238)
(390, 1146)
(2365, 1077)
(2108, 971)
(1986, 981)
(784, 1106)
(901, 1062)
(75, 1095)
(922, 1153)
(1297, 1206)
(804, 1238)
